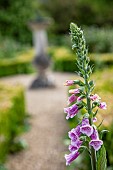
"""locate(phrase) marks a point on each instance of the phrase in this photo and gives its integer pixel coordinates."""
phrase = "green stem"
(79, 44)
(93, 158)
(93, 153)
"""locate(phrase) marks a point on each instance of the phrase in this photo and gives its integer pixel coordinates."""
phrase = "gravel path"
(45, 139)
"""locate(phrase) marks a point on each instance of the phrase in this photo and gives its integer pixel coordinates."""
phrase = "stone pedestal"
(41, 60)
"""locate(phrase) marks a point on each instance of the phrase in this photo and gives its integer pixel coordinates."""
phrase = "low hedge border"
(64, 60)
(20, 64)
(12, 117)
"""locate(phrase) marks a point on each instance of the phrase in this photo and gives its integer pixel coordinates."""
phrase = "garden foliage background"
(16, 52)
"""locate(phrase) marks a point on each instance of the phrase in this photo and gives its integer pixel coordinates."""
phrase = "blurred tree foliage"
(14, 17)
(83, 12)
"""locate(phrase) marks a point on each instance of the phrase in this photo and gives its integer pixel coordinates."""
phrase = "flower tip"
(69, 82)
(94, 119)
(67, 117)
(73, 25)
(66, 157)
(103, 105)
(95, 97)
(74, 91)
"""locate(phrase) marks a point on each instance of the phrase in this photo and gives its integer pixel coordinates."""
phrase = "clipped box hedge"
(12, 116)
(17, 65)
(64, 60)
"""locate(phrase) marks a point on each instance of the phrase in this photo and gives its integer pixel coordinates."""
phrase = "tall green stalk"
(85, 135)
(93, 152)
(79, 45)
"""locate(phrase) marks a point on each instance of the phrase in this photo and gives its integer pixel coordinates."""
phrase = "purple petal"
(85, 121)
(96, 144)
(74, 91)
(66, 110)
(72, 148)
(103, 105)
(71, 157)
(87, 130)
(69, 82)
(77, 130)
(71, 111)
(77, 143)
(72, 98)
(94, 135)
(73, 136)
(94, 119)
(95, 97)
(79, 98)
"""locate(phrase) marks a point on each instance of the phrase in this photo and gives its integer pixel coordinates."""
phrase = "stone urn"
(41, 59)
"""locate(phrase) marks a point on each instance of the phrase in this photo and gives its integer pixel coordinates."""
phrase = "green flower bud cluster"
(79, 45)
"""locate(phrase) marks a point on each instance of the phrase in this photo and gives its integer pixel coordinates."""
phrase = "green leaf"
(102, 133)
(101, 159)
(83, 138)
(91, 83)
(82, 148)
(79, 82)
(95, 113)
(100, 124)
